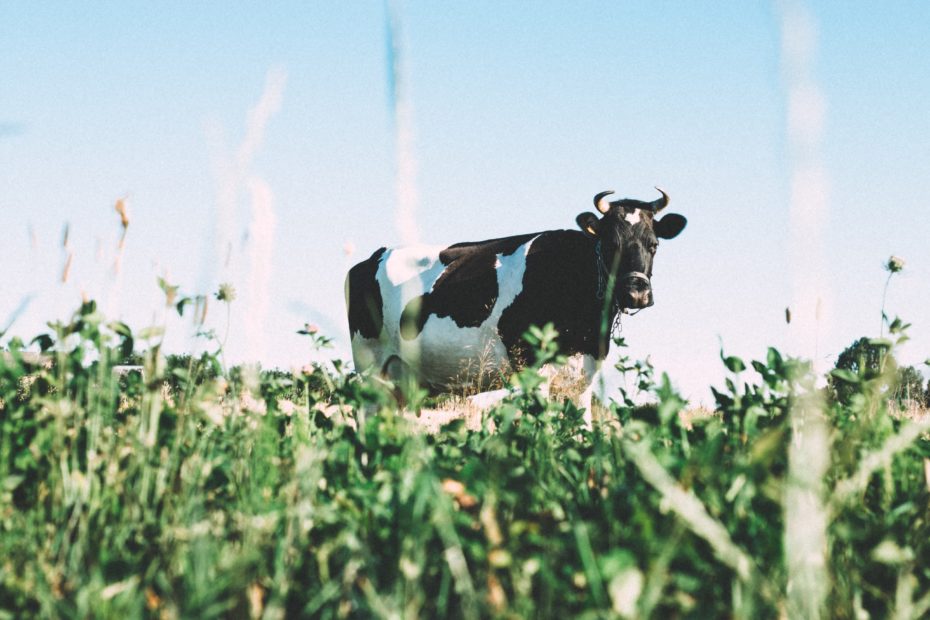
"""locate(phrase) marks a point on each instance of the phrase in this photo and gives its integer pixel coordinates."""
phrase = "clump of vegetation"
(186, 489)
(868, 358)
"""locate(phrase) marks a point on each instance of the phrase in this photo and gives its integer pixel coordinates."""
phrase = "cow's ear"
(669, 226)
(587, 222)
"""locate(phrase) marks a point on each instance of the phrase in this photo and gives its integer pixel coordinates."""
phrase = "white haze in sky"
(404, 136)
(809, 185)
(237, 182)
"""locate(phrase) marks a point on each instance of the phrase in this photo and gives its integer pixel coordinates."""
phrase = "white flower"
(624, 590)
(215, 413)
(286, 407)
(252, 404)
(894, 264)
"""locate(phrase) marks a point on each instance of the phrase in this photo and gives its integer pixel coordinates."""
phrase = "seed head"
(171, 293)
(226, 292)
(894, 264)
(123, 212)
(309, 329)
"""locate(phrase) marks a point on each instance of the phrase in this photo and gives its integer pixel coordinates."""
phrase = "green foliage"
(910, 386)
(188, 491)
(867, 360)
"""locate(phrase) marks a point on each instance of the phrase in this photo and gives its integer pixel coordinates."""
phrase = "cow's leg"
(402, 376)
(590, 366)
(366, 352)
(574, 380)
(551, 374)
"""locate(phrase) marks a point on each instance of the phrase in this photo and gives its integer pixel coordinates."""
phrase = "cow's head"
(627, 235)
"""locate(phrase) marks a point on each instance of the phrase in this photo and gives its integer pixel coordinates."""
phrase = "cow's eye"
(653, 247)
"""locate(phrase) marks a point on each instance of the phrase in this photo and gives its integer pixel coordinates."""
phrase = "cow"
(455, 316)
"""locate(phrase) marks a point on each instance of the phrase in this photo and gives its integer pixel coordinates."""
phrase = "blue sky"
(520, 114)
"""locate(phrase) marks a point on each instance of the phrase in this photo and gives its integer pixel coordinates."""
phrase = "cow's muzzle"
(635, 290)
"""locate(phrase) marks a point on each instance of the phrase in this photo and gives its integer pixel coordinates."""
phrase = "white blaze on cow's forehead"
(634, 216)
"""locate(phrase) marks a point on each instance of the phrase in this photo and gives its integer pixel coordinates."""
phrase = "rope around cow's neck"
(602, 278)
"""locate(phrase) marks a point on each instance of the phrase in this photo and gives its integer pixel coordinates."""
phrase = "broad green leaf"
(734, 364)
(148, 333)
(845, 375)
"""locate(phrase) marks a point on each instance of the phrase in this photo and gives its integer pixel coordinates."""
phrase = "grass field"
(189, 490)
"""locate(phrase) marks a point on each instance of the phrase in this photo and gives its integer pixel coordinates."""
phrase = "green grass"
(191, 491)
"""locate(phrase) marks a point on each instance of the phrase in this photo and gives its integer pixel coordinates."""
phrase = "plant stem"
(222, 345)
(881, 332)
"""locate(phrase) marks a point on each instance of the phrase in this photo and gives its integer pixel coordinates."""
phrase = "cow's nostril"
(637, 282)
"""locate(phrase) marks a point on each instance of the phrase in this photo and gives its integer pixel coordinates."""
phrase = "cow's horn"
(660, 203)
(602, 205)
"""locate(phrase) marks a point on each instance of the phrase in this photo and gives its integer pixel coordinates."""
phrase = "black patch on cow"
(366, 309)
(559, 287)
(466, 291)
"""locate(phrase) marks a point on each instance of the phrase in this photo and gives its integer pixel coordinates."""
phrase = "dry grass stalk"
(123, 212)
(121, 208)
(66, 271)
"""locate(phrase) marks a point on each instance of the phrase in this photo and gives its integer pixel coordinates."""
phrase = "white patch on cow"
(446, 355)
(634, 216)
(400, 265)
(510, 270)
(403, 273)
(452, 356)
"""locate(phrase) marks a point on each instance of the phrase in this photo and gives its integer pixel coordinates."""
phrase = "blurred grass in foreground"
(186, 490)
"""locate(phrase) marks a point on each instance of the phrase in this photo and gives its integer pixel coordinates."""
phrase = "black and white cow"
(456, 315)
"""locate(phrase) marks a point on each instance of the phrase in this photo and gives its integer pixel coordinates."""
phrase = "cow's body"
(456, 315)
